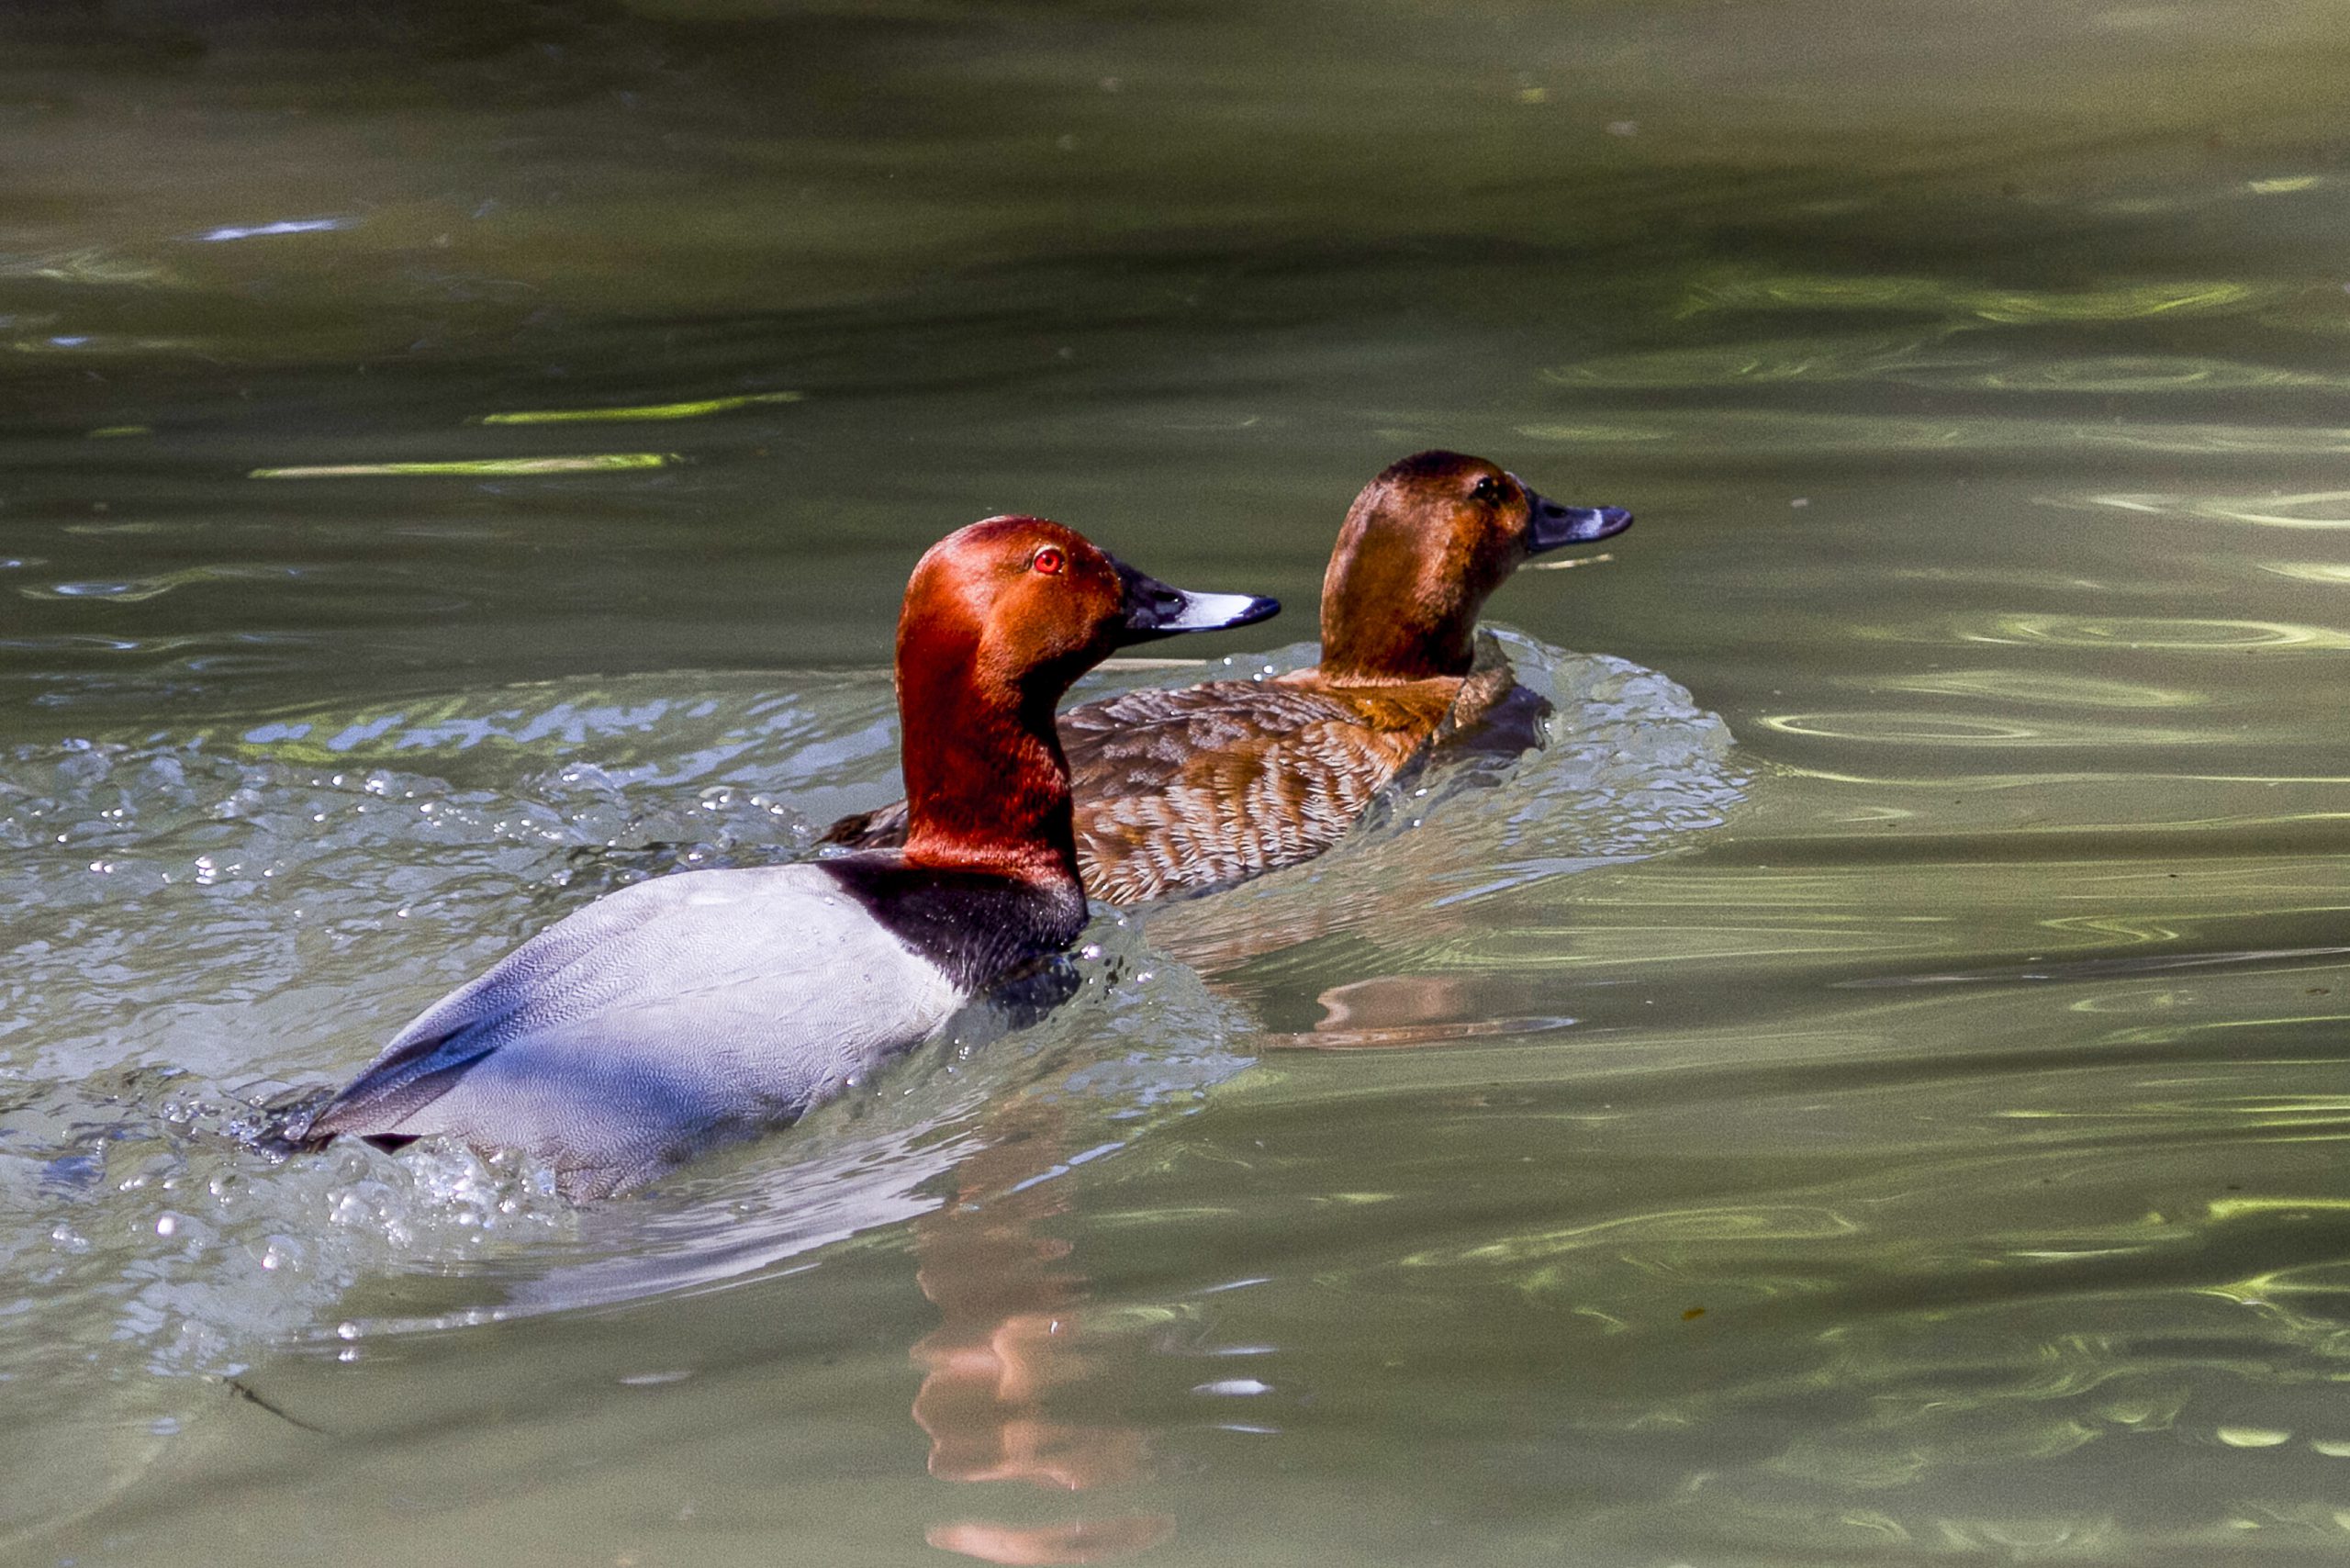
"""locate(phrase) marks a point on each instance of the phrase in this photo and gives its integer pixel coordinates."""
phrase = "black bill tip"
(1154, 609)
(1554, 527)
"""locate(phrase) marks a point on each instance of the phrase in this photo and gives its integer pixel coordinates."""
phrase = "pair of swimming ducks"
(697, 1008)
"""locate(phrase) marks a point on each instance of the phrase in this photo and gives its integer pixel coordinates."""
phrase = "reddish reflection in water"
(1079, 1540)
(1391, 1012)
(1006, 1337)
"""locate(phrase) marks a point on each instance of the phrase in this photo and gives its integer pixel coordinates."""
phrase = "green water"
(1867, 1093)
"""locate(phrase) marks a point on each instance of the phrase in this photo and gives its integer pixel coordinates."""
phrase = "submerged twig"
(244, 1391)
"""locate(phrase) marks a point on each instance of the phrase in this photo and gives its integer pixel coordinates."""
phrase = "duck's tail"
(285, 1131)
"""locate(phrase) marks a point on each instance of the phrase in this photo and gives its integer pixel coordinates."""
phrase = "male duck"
(695, 1008)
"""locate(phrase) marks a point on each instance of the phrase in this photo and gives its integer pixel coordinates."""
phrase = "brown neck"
(1390, 661)
(1390, 615)
(987, 787)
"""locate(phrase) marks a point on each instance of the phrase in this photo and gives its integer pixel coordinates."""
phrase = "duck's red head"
(1423, 546)
(999, 619)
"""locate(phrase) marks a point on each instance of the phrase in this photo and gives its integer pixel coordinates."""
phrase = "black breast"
(975, 925)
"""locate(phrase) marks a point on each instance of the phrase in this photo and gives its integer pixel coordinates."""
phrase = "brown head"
(1423, 546)
(999, 619)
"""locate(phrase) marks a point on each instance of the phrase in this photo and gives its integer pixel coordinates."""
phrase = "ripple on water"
(1778, 434)
(1944, 358)
(2151, 372)
(2313, 509)
(1828, 359)
(2191, 634)
(2050, 689)
(1894, 727)
(1749, 289)
(132, 590)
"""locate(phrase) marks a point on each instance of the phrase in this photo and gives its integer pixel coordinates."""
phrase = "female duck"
(1179, 790)
(695, 1008)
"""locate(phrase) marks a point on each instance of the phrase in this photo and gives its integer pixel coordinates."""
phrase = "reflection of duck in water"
(1011, 1336)
(684, 1011)
(1182, 790)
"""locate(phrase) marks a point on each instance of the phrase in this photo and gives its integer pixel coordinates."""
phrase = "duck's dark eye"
(1051, 561)
(1488, 489)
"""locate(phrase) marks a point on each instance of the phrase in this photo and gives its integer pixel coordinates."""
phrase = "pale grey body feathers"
(657, 1022)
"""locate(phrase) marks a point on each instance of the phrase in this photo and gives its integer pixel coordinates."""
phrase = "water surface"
(1864, 1092)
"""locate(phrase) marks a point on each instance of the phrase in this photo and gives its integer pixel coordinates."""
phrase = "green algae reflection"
(691, 410)
(477, 467)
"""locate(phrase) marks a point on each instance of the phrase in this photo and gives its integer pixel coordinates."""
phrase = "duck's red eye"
(1050, 561)
(1487, 489)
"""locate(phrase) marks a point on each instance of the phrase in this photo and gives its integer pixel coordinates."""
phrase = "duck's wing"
(1179, 791)
(622, 1036)
(1494, 717)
